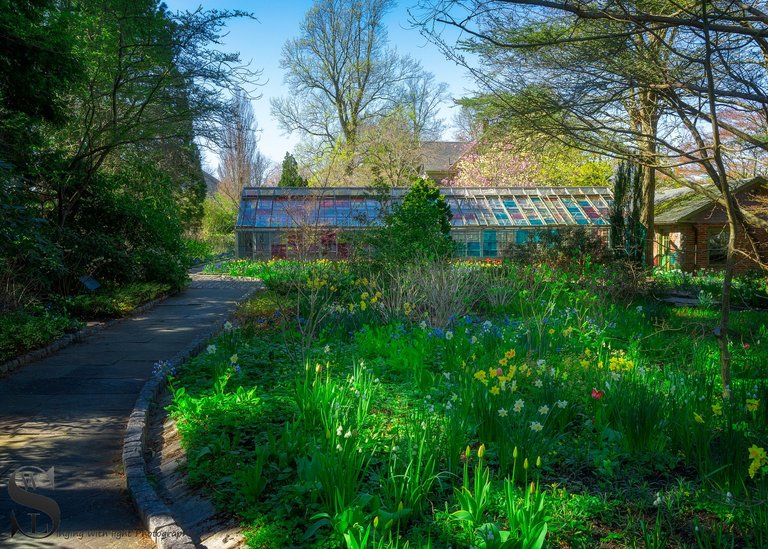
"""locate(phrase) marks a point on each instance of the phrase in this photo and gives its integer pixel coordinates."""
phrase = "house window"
(717, 244)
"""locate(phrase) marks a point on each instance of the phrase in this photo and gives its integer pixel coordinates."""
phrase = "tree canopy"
(101, 104)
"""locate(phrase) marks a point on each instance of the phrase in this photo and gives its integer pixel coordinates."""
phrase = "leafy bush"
(561, 246)
(128, 229)
(417, 228)
(21, 332)
(197, 251)
(28, 257)
(114, 301)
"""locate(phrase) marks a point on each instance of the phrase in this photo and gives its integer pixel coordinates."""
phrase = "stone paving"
(69, 412)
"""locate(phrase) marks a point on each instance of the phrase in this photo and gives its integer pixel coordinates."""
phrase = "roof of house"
(680, 204)
(348, 207)
(211, 183)
(440, 156)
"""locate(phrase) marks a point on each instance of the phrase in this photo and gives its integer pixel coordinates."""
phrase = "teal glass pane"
(575, 211)
(490, 248)
(514, 212)
(542, 210)
(526, 206)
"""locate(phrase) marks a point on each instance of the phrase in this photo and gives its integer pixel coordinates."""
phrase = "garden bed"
(476, 405)
(26, 330)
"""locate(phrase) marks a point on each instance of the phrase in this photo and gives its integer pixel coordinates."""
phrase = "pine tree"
(290, 176)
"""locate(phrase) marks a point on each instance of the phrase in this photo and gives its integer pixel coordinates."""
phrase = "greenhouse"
(318, 222)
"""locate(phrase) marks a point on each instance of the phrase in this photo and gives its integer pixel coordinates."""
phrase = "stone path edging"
(154, 513)
(80, 335)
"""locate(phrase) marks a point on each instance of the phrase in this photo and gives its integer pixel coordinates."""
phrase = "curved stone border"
(69, 339)
(154, 513)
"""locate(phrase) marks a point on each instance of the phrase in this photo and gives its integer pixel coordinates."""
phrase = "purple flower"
(164, 367)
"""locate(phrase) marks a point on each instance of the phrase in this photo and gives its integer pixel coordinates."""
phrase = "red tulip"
(746, 346)
(597, 395)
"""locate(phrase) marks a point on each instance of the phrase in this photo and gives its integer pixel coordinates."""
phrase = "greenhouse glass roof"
(355, 207)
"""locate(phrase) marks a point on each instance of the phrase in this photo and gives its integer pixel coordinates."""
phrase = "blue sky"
(261, 41)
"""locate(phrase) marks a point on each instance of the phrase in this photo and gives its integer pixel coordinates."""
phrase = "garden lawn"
(546, 411)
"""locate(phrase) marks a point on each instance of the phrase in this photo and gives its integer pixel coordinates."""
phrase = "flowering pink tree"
(498, 165)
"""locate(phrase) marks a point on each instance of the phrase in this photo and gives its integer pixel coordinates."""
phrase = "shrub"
(21, 332)
(113, 302)
(418, 228)
(562, 246)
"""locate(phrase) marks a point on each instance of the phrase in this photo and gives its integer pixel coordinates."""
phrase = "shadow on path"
(69, 412)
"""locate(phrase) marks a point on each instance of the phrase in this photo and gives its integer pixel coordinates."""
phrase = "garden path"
(69, 411)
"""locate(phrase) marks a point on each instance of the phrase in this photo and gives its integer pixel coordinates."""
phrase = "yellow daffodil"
(758, 457)
(752, 404)
(494, 391)
(717, 409)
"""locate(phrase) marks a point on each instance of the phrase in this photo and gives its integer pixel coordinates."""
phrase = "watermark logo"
(24, 487)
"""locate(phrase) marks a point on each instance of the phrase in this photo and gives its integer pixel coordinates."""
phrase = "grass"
(392, 430)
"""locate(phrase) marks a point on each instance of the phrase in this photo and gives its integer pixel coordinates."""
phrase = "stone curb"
(80, 335)
(154, 513)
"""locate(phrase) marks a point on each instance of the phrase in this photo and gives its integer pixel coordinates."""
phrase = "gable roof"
(680, 204)
(441, 156)
(211, 183)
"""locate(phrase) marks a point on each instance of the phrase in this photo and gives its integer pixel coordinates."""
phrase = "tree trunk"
(649, 195)
(725, 311)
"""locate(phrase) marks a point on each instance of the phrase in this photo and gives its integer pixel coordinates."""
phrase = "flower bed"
(350, 410)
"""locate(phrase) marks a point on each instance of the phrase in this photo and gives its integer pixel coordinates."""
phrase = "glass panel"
(529, 211)
(247, 214)
(542, 211)
(589, 209)
(558, 210)
(489, 244)
(514, 212)
(574, 210)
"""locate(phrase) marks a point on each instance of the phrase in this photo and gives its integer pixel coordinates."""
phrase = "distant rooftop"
(440, 156)
(211, 183)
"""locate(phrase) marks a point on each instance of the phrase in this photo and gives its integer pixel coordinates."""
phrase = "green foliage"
(36, 58)
(128, 229)
(627, 232)
(561, 246)
(219, 217)
(21, 332)
(99, 106)
(114, 301)
(290, 177)
(364, 440)
(418, 228)
(28, 257)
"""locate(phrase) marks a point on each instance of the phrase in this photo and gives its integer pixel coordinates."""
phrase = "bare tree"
(421, 97)
(241, 162)
(339, 69)
(344, 78)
